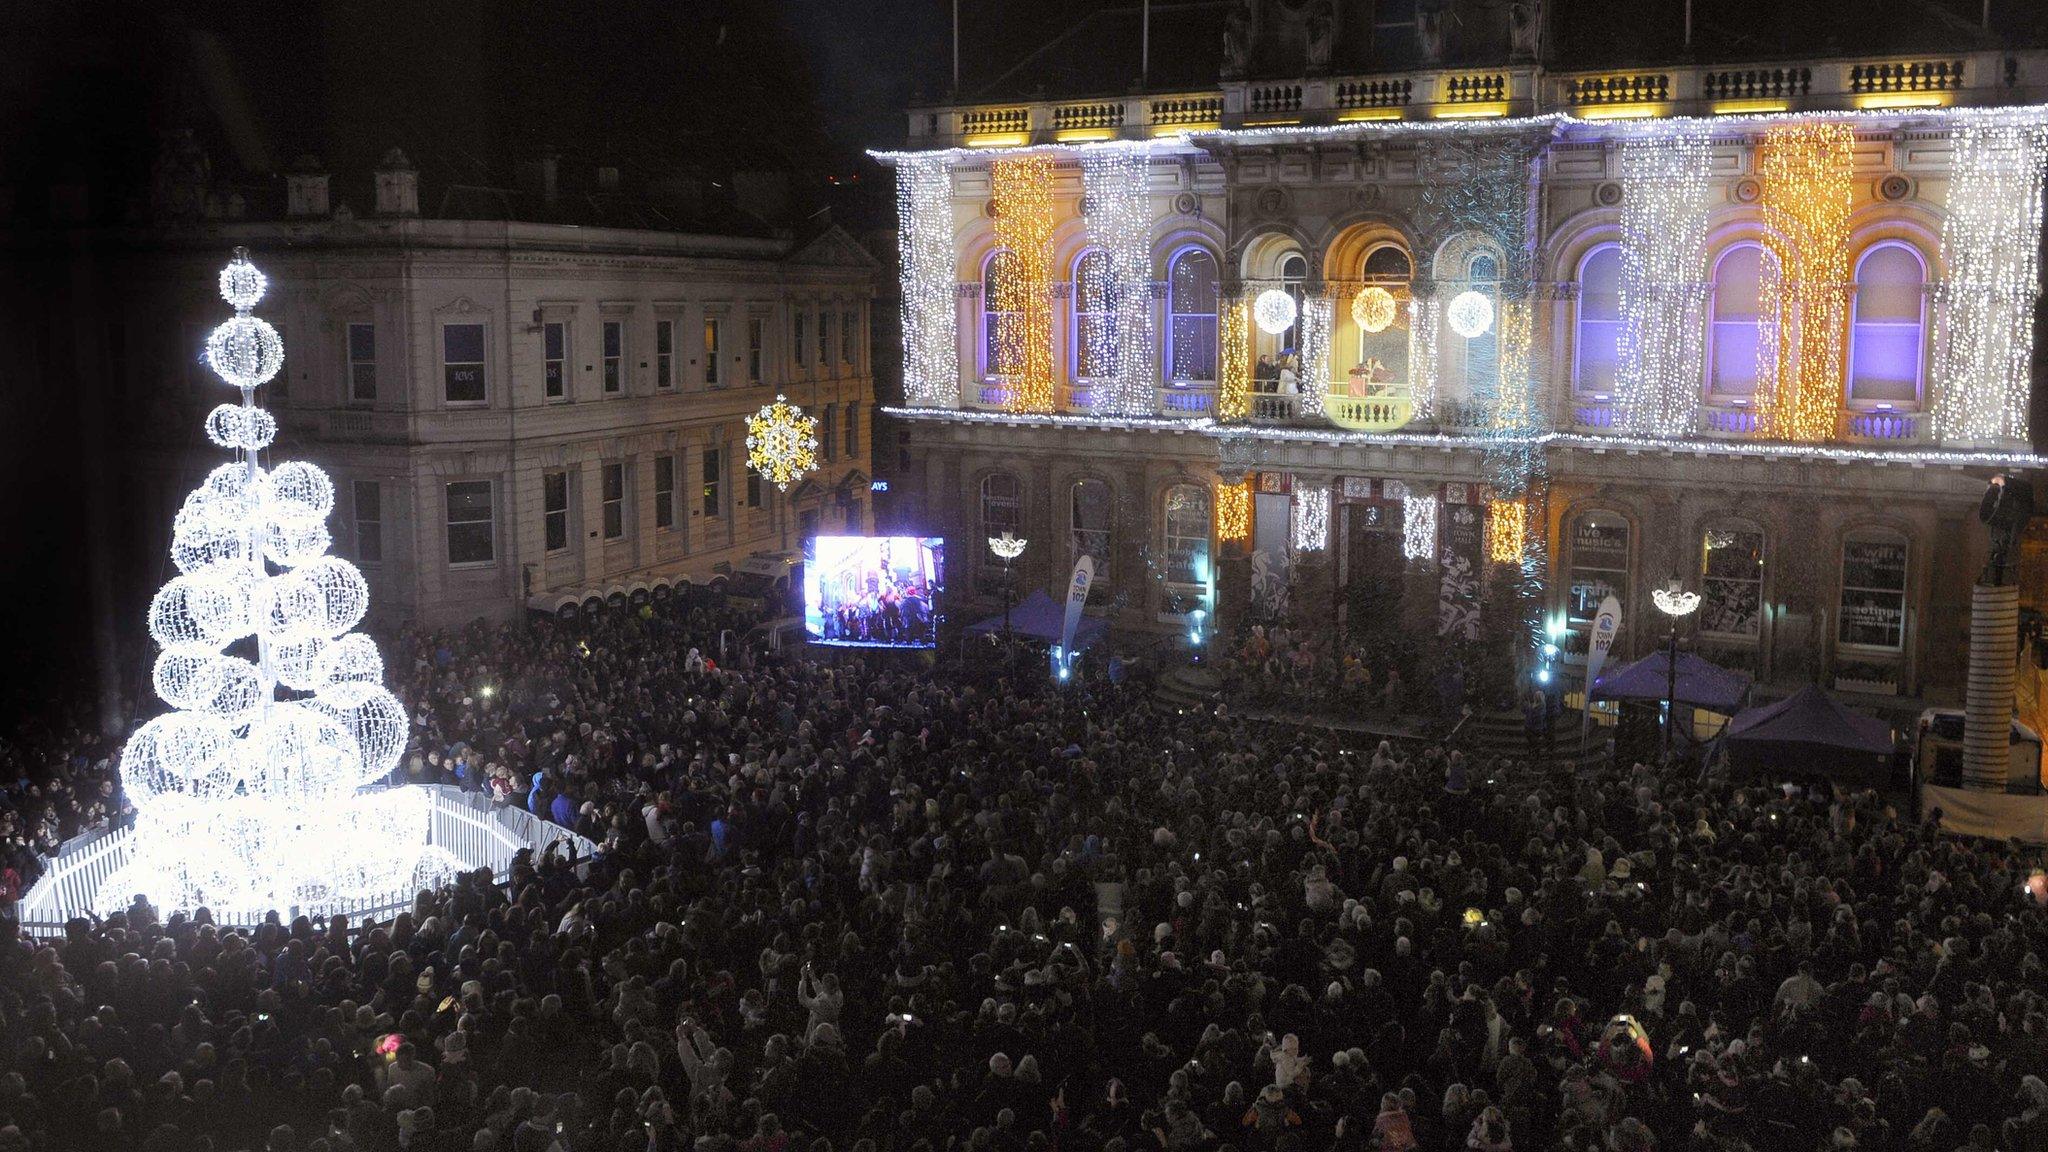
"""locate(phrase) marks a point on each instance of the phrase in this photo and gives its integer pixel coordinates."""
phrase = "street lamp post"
(1673, 601)
(1008, 547)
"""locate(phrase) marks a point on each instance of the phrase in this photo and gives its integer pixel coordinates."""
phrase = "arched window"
(1187, 534)
(1737, 323)
(1002, 504)
(1088, 507)
(1191, 310)
(1732, 581)
(1598, 352)
(1480, 356)
(999, 314)
(1294, 282)
(1887, 339)
(1387, 267)
(1090, 317)
(1873, 604)
(1599, 563)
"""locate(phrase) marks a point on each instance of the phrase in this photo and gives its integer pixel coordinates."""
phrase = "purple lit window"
(1599, 342)
(1191, 307)
(1738, 319)
(1887, 339)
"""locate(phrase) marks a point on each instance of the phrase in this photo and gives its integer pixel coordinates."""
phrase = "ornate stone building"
(1415, 350)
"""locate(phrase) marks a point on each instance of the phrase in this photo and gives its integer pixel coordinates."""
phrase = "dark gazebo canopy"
(1811, 734)
(1701, 683)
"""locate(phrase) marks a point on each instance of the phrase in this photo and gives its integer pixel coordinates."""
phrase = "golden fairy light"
(1807, 171)
(1507, 529)
(1021, 187)
(1234, 344)
(1234, 511)
(782, 443)
(1373, 308)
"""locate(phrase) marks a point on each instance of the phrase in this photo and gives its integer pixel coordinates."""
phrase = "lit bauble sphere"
(1470, 314)
(245, 351)
(241, 284)
(1373, 308)
(1274, 311)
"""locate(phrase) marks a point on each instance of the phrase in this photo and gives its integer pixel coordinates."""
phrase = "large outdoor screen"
(873, 591)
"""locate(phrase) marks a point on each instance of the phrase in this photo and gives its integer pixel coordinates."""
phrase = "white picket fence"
(467, 824)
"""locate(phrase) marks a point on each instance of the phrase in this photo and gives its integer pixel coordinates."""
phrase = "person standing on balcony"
(1266, 377)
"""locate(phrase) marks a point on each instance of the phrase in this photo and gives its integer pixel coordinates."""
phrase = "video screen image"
(873, 591)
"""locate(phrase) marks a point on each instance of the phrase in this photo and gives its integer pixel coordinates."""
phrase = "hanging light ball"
(1373, 308)
(1274, 311)
(1470, 314)
(242, 283)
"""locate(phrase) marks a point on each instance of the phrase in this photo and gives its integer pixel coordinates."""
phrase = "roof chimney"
(305, 188)
(398, 186)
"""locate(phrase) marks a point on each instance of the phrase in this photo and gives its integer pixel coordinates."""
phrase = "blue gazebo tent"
(1039, 617)
(1701, 683)
(1811, 734)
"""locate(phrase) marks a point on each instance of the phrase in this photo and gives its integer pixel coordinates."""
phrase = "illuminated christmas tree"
(252, 793)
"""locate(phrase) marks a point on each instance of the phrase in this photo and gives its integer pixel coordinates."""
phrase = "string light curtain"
(1666, 182)
(1234, 345)
(1424, 320)
(1115, 182)
(931, 318)
(1990, 250)
(1317, 314)
(1807, 172)
(1418, 525)
(1311, 517)
(1021, 187)
(1507, 525)
(1234, 510)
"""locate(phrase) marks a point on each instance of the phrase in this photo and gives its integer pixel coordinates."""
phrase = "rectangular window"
(753, 488)
(1874, 594)
(554, 509)
(711, 326)
(714, 472)
(369, 509)
(614, 356)
(362, 363)
(853, 429)
(664, 353)
(1599, 569)
(1732, 583)
(614, 501)
(462, 363)
(472, 537)
(664, 492)
(848, 324)
(796, 336)
(824, 339)
(757, 339)
(828, 443)
(554, 339)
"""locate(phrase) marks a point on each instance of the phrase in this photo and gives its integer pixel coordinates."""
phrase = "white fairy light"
(1311, 517)
(1990, 245)
(248, 793)
(1470, 313)
(1316, 315)
(1423, 329)
(1666, 180)
(1273, 311)
(1118, 195)
(1418, 526)
(924, 210)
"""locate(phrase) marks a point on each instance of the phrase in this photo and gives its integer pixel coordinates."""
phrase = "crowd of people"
(857, 902)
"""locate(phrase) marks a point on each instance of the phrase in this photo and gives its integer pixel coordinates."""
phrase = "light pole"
(1673, 601)
(1008, 547)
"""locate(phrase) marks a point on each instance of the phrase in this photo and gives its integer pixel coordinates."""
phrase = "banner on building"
(1459, 559)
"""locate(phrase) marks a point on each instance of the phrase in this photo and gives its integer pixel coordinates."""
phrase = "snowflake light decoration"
(1274, 311)
(250, 794)
(782, 443)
